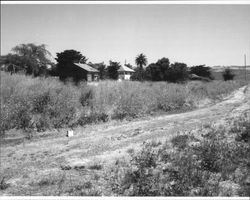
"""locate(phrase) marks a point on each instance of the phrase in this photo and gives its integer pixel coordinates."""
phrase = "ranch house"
(124, 73)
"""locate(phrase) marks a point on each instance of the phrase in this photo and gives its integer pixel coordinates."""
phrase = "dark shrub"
(112, 70)
(93, 117)
(201, 70)
(177, 73)
(3, 184)
(180, 141)
(228, 75)
(95, 167)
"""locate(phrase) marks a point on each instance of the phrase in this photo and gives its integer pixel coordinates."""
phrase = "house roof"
(125, 69)
(86, 67)
(196, 77)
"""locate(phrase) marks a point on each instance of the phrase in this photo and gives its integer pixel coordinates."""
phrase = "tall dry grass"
(37, 103)
(45, 103)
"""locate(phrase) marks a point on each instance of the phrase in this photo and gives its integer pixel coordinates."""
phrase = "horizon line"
(194, 2)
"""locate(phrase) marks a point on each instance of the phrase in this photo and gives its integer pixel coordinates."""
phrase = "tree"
(201, 70)
(65, 60)
(140, 61)
(112, 70)
(70, 56)
(177, 73)
(138, 75)
(13, 63)
(31, 58)
(163, 71)
(158, 71)
(153, 72)
(228, 75)
(163, 65)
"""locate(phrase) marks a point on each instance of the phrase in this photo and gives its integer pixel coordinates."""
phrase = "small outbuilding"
(87, 72)
(125, 73)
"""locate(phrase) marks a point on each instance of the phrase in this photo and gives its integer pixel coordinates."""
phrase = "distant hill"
(234, 67)
(239, 72)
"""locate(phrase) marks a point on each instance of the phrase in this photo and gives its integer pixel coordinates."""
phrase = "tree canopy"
(112, 70)
(64, 68)
(177, 72)
(163, 65)
(31, 58)
(141, 60)
(163, 71)
(34, 60)
(70, 56)
(228, 75)
(201, 70)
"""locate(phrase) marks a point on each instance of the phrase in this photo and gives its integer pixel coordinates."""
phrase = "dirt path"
(107, 141)
(116, 140)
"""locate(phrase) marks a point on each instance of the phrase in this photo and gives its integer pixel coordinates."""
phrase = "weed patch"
(39, 104)
(217, 165)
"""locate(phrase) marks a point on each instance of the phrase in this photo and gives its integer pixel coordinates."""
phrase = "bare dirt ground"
(24, 161)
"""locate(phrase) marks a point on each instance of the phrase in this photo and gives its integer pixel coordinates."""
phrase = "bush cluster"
(228, 75)
(212, 165)
(45, 103)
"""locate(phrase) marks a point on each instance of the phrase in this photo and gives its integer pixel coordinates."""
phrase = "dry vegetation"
(44, 103)
(211, 160)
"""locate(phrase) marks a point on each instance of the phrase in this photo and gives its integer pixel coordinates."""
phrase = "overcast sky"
(194, 34)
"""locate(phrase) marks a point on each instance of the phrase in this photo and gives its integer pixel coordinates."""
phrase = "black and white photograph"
(125, 99)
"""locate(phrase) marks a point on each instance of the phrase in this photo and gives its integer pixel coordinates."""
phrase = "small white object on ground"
(70, 133)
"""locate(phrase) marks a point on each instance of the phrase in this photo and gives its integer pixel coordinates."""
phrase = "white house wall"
(124, 76)
(127, 77)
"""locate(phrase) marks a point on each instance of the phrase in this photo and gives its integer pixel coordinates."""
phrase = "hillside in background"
(235, 67)
(239, 72)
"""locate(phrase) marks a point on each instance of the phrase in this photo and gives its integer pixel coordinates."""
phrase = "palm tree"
(140, 60)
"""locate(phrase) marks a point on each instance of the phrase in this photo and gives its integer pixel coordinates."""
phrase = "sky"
(193, 34)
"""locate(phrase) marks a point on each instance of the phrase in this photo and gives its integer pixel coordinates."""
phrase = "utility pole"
(245, 61)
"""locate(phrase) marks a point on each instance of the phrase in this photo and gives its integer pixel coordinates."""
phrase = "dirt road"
(113, 141)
